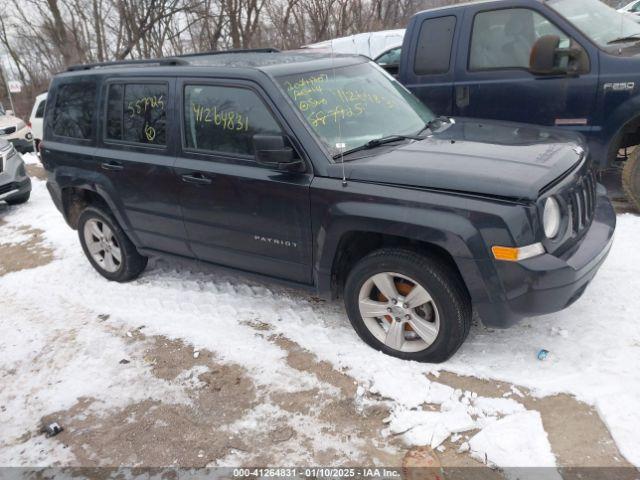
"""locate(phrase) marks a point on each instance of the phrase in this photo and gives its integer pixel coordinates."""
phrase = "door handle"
(462, 97)
(112, 166)
(197, 178)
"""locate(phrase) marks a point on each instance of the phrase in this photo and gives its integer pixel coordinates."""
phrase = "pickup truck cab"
(324, 172)
(572, 64)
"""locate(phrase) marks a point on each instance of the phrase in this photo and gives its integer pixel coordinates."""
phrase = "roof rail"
(150, 61)
(233, 50)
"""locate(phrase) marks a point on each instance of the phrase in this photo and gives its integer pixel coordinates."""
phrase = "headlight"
(551, 217)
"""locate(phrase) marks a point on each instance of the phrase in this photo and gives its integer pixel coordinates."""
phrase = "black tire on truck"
(631, 178)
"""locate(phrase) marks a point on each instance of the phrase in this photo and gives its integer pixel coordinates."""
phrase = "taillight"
(29, 124)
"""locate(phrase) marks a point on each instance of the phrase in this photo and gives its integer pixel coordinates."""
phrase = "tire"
(125, 262)
(631, 178)
(447, 315)
(18, 200)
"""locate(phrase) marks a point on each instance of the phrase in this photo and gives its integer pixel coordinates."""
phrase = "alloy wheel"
(102, 245)
(399, 312)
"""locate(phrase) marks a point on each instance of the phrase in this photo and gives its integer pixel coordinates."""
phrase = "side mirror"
(547, 58)
(275, 151)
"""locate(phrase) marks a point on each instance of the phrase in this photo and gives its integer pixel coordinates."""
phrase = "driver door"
(237, 212)
(493, 80)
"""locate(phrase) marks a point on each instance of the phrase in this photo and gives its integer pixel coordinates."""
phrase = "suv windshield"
(601, 23)
(350, 106)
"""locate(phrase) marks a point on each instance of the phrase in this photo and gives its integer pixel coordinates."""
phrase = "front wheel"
(631, 178)
(408, 305)
(107, 246)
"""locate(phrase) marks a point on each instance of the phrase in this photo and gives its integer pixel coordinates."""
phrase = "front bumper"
(22, 145)
(12, 190)
(548, 284)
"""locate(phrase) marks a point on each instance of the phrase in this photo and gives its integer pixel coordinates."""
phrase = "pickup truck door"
(427, 65)
(239, 213)
(492, 70)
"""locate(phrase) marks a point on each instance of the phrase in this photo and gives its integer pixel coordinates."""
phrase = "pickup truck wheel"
(408, 305)
(631, 177)
(107, 246)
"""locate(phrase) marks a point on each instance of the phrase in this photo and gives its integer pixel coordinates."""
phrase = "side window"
(40, 109)
(74, 109)
(505, 38)
(390, 58)
(137, 113)
(433, 54)
(225, 119)
(636, 8)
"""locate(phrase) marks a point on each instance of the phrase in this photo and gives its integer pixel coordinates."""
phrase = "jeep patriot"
(324, 172)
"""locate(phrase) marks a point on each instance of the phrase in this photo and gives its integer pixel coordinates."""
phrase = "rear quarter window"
(74, 110)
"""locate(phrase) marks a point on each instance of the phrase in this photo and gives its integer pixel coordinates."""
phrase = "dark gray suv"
(326, 173)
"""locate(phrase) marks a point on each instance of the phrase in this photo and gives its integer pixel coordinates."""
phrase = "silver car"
(15, 184)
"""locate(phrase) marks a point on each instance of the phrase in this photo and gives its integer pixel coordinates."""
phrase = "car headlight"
(551, 218)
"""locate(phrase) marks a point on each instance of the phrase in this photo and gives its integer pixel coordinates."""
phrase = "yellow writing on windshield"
(324, 102)
(227, 120)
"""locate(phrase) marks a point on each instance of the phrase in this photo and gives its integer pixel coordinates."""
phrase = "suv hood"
(482, 157)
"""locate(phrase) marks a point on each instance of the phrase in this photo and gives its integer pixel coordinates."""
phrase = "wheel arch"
(627, 116)
(357, 244)
(76, 198)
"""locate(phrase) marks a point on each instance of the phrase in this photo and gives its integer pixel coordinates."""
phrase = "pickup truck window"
(598, 21)
(225, 119)
(349, 106)
(137, 113)
(433, 53)
(504, 38)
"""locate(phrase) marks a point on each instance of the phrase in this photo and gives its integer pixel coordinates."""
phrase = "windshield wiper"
(376, 142)
(630, 38)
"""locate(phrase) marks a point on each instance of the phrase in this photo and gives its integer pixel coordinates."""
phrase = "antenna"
(340, 144)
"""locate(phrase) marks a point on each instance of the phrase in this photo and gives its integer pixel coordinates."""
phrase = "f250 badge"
(275, 241)
(619, 87)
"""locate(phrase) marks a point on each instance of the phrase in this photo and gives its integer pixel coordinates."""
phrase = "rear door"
(136, 153)
(237, 212)
(493, 78)
(428, 69)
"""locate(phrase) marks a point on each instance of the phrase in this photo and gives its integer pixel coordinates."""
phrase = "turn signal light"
(516, 254)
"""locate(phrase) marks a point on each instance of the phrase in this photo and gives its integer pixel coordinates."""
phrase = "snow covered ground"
(594, 348)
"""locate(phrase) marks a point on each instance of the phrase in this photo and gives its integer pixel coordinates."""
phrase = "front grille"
(581, 203)
(8, 187)
(7, 130)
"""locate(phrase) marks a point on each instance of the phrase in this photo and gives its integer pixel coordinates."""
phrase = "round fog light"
(551, 217)
(28, 136)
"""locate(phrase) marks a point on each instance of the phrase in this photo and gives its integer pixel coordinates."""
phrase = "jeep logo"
(619, 87)
(275, 241)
